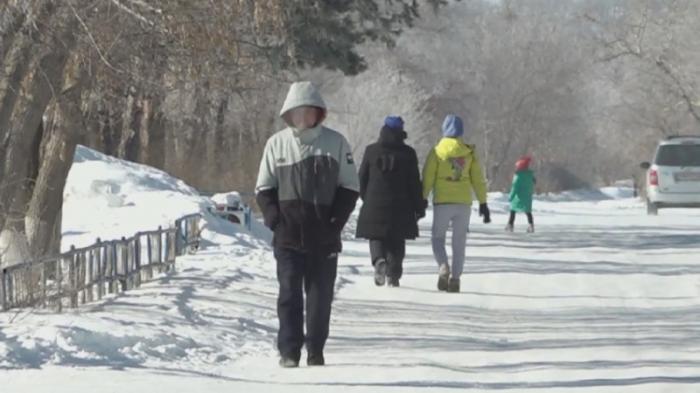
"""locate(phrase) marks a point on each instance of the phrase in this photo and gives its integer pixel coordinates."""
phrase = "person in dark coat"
(391, 191)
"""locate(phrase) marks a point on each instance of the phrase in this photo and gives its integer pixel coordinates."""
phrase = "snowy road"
(601, 299)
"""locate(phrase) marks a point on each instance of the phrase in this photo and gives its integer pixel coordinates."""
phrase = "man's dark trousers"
(298, 273)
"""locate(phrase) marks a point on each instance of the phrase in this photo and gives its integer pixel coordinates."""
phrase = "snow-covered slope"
(109, 198)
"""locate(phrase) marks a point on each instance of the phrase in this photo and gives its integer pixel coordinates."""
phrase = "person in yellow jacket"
(453, 175)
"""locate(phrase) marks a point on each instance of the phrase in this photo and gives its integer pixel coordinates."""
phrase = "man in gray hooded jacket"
(307, 188)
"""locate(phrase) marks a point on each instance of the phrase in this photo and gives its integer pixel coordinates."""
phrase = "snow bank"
(109, 198)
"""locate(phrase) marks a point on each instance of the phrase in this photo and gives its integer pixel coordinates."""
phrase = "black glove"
(484, 212)
(336, 224)
(420, 213)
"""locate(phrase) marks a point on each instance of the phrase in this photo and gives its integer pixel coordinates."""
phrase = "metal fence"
(82, 275)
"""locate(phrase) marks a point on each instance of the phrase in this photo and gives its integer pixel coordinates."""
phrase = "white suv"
(673, 178)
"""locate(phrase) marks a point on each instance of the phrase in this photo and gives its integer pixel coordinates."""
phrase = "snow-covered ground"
(601, 299)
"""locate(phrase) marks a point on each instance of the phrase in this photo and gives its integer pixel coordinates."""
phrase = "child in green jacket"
(521, 193)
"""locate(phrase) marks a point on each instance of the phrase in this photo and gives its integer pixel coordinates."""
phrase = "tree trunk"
(157, 150)
(129, 137)
(43, 218)
(15, 67)
(151, 131)
(22, 114)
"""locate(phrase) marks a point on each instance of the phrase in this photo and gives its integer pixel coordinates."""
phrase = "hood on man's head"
(303, 94)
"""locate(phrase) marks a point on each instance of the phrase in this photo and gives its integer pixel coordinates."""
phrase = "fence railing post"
(133, 268)
(125, 266)
(186, 237)
(3, 290)
(90, 288)
(159, 248)
(44, 281)
(29, 285)
(82, 273)
(178, 240)
(137, 259)
(166, 249)
(173, 241)
(73, 274)
(149, 255)
(107, 267)
(59, 283)
(10, 291)
(113, 267)
(170, 238)
(248, 217)
(100, 270)
(194, 233)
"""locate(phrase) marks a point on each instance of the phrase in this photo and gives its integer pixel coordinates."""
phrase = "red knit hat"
(523, 163)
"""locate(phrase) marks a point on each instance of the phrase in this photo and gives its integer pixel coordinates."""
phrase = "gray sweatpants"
(458, 216)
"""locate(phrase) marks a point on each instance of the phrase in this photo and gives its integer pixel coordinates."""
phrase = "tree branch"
(135, 14)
